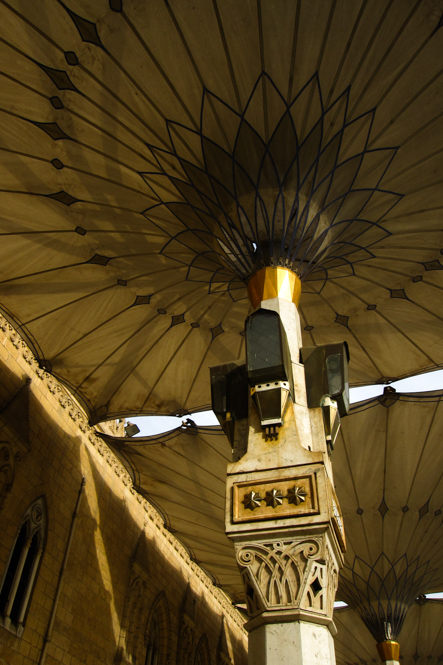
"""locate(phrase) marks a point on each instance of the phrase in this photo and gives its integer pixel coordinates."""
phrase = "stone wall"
(129, 585)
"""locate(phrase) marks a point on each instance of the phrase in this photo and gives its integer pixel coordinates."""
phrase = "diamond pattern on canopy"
(387, 480)
(421, 640)
(153, 157)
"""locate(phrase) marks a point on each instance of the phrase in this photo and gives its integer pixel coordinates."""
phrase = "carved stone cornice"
(90, 436)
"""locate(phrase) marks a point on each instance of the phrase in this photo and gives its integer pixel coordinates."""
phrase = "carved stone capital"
(296, 575)
(289, 540)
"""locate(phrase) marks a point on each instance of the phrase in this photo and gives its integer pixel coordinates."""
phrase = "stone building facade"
(89, 573)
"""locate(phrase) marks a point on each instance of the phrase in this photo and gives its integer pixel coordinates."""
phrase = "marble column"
(282, 513)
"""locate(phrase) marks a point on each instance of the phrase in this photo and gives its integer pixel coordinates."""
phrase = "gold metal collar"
(388, 650)
(274, 283)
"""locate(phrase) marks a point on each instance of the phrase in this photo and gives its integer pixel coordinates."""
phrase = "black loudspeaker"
(229, 393)
(326, 373)
(267, 352)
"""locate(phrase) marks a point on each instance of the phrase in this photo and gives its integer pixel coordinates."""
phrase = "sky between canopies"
(150, 425)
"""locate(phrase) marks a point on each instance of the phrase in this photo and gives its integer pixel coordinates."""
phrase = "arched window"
(202, 655)
(135, 615)
(224, 648)
(21, 571)
(157, 633)
(185, 644)
(153, 645)
(6, 470)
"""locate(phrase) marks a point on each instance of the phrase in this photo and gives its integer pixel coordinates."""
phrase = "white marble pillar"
(292, 643)
(283, 516)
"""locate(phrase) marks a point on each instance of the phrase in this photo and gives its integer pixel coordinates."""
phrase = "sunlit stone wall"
(129, 585)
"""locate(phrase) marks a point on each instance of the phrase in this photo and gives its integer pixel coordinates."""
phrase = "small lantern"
(270, 400)
(331, 420)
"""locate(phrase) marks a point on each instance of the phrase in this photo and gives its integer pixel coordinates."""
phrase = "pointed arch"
(202, 653)
(186, 637)
(131, 648)
(21, 571)
(185, 650)
(136, 597)
(157, 632)
(7, 470)
(224, 647)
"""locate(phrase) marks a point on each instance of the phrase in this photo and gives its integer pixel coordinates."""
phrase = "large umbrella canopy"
(388, 480)
(154, 155)
(183, 473)
(421, 640)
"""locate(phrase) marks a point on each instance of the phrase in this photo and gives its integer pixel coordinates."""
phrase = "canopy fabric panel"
(386, 473)
(389, 481)
(153, 157)
(421, 640)
(183, 473)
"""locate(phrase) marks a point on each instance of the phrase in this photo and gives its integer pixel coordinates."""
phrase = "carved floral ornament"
(300, 573)
(37, 514)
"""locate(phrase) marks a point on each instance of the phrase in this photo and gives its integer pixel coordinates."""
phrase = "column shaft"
(297, 643)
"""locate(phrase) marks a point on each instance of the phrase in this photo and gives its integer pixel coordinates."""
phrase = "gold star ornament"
(296, 495)
(252, 500)
(274, 498)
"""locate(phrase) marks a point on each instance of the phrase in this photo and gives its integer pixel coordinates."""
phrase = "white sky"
(150, 425)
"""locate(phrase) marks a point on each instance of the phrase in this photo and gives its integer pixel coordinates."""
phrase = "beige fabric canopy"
(183, 473)
(153, 155)
(388, 483)
(421, 640)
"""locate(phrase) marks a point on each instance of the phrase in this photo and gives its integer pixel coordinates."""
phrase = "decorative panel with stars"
(275, 498)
